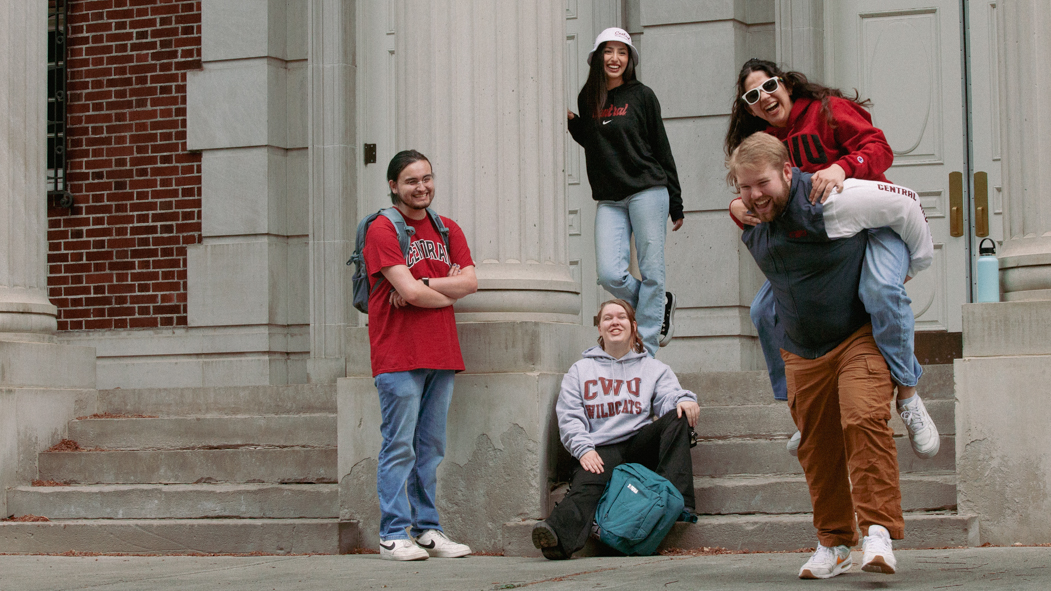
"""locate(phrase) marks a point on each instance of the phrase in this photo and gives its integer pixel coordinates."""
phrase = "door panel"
(907, 60)
(376, 92)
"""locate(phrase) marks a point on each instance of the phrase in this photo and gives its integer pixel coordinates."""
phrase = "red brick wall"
(117, 259)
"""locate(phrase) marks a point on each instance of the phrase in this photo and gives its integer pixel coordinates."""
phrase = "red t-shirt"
(403, 339)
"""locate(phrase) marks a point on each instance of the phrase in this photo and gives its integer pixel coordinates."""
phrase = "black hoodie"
(627, 150)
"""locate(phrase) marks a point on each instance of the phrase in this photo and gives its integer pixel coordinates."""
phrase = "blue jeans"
(414, 405)
(881, 289)
(645, 214)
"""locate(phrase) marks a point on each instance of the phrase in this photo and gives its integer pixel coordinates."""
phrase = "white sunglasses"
(769, 87)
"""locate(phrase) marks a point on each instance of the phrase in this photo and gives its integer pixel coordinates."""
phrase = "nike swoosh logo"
(391, 547)
(422, 545)
(606, 121)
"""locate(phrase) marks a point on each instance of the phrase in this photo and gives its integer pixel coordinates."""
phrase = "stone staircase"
(253, 469)
(751, 494)
(189, 470)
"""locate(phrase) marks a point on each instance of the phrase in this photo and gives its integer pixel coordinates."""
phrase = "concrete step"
(172, 536)
(316, 430)
(244, 465)
(768, 456)
(764, 420)
(176, 501)
(733, 388)
(769, 533)
(789, 494)
(224, 400)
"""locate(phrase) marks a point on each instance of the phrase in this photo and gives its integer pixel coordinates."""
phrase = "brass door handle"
(956, 204)
(981, 204)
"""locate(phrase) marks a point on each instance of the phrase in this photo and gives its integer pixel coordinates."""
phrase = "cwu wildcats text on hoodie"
(606, 400)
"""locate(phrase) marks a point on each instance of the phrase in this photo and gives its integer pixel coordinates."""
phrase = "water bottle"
(988, 272)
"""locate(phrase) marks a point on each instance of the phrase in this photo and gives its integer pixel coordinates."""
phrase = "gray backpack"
(360, 279)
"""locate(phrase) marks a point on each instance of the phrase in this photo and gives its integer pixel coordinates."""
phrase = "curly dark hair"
(743, 123)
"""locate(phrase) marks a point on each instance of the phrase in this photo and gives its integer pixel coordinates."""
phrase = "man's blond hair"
(758, 150)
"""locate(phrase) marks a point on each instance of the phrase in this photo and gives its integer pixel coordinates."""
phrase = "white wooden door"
(375, 100)
(907, 57)
(585, 19)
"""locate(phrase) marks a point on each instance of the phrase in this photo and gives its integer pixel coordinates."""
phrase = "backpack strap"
(440, 226)
(404, 233)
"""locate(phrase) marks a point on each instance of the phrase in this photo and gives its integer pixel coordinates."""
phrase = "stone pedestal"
(42, 384)
(1003, 445)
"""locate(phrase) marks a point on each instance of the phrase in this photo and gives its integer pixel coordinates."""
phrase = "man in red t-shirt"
(415, 353)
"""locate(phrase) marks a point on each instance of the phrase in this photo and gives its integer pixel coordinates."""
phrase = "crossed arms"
(442, 292)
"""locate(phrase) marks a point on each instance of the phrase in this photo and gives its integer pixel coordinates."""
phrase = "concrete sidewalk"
(956, 570)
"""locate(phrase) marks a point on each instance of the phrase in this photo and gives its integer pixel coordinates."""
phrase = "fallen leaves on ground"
(110, 415)
(39, 482)
(66, 445)
(27, 519)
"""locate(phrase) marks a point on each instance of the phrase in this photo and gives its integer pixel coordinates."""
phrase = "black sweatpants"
(662, 446)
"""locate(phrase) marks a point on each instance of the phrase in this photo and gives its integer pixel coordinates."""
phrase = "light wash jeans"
(646, 215)
(881, 289)
(414, 405)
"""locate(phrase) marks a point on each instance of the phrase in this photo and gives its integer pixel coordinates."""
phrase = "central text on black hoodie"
(627, 149)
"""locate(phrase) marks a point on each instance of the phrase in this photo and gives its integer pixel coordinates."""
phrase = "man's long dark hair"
(594, 91)
(398, 164)
(743, 123)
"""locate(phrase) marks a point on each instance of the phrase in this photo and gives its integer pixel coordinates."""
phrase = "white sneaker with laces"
(923, 434)
(827, 562)
(793, 443)
(401, 550)
(878, 554)
(438, 545)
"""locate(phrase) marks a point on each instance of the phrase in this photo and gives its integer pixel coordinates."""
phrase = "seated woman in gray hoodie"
(606, 413)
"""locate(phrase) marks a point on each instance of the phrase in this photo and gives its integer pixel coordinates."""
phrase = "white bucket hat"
(614, 34)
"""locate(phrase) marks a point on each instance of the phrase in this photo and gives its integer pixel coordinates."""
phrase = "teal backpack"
(637, 510)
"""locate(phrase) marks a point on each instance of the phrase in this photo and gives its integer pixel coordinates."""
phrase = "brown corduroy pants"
(841, 404)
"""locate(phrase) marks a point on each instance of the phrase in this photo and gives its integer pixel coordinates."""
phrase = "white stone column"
(331, 163)
(480, 93)
(800, 36)
(24, 306)
(1025, 258)
(42, 384)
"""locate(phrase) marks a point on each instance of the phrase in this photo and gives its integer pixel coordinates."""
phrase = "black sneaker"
(545, 539)
(668, 326)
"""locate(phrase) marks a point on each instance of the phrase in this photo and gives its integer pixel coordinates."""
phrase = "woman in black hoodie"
(633, 179)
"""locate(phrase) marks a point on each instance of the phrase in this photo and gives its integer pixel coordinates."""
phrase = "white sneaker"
(827, 563)
(923, 434)
(438, 545)
(793, 443)
(401, 550)
(879, 556)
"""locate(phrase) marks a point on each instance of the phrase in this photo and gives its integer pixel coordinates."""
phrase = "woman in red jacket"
(832, 137)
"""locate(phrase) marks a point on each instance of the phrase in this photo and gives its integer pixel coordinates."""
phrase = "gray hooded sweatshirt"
(605, 400)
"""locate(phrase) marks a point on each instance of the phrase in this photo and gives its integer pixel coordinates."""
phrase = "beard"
(408, 202)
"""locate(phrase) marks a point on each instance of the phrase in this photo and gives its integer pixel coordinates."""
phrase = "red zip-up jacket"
(860, 149)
